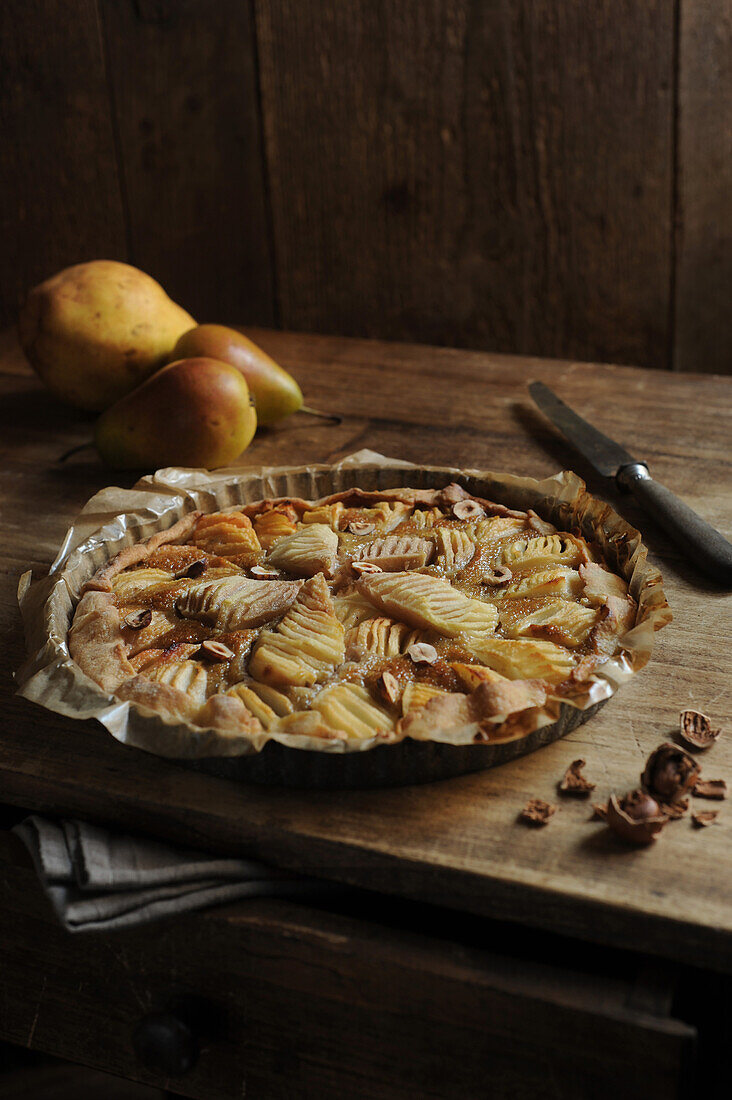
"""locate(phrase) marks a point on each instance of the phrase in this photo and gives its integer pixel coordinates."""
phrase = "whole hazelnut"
(639, 805)
(636, 817)
(669, 772)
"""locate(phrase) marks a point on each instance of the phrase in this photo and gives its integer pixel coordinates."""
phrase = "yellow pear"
(276, 393)
(195, 412)
(95, 331)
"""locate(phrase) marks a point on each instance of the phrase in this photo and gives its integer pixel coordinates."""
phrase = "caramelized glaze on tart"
(367, 616)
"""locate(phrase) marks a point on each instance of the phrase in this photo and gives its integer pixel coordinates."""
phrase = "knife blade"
(704, 545)
(604, 453)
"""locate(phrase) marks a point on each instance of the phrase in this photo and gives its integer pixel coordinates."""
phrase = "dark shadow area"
(33, 409)
(31, 1075)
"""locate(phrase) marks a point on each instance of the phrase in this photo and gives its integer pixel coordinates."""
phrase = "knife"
(705, 546)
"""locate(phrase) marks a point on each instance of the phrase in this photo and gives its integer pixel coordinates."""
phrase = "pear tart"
(362, 618)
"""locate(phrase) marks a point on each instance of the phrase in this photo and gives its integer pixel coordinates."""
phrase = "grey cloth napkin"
(99, 880)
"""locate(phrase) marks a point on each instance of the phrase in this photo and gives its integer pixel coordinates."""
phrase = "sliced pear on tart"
(380, 637)
(559, 620)
(396, 553)
(487, 531)
(128, 586)
(472, 676)
(554, 581)
(311, 549)
(386, 515)
(188, 676)
(273, 525)
(329, 514)
(352, 608)
(455, 549)
(543, 551)
(418, 694)
(306, 646)
(350, 709)
(424, 518)
(522, 659)
(255, 705)
(428, 602)
(228, 535)
(235, 603)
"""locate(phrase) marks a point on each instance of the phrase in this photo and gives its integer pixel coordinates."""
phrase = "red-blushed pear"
(276, 393)
(194, 412)
(95, 331)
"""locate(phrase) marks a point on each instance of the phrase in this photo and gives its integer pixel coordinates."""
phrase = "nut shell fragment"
(537, 812)
(696, 730)
(390, 686)
(422, 653)
(264, 572)
(669, 773)
(195, 569)
(702, 818)
(498, 577)
(636, 818)
(366, 567)
(216, 651)
(710, 788)
(467, 509)
(675, 810)
(138, 620)
(574, 782)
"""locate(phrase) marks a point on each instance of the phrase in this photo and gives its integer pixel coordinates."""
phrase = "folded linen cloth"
(99, 880)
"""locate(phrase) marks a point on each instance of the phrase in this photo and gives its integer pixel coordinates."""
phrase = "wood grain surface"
(60, 197)
(289, 1001)
(184, 104)
(458, 842)
(501, 173)
(548, 177)
(703, 336)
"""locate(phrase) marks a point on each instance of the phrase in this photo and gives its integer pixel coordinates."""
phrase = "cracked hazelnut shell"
(636, 818)
(669, 773)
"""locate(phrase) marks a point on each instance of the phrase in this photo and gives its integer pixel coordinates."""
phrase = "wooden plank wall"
(60, 198)
(703, 285)
(184, 90)
(546, 177)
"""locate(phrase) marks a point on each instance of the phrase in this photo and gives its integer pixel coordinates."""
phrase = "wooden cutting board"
(457, 842)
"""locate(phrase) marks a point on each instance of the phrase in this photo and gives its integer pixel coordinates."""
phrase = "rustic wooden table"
(457, 843)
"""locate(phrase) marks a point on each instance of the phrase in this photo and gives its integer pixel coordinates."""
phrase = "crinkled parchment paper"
(115, 518)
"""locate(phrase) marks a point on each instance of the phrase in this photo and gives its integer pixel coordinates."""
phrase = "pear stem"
(323, 416)
(75, 450)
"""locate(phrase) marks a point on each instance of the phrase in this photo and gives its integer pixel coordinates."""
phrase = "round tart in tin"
(374, 635)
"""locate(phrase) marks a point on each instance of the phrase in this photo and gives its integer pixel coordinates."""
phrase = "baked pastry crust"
(364, 617)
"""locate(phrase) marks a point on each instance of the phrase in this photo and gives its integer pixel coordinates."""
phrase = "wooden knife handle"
(700, 541)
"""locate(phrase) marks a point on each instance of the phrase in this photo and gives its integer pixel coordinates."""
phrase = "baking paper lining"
(115, 518)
